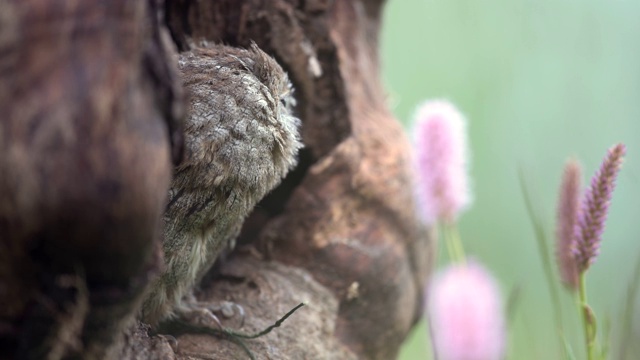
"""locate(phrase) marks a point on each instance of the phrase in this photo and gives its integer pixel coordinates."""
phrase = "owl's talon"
(230, 309)
(199, 316)
(204, 313)
(172, 341)
(211, 319)
(241, 314)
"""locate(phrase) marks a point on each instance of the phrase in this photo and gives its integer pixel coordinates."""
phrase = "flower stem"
(454, 245)
(588, 319)
(543, 252)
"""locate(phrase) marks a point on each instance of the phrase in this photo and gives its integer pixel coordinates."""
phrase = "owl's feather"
(241, 139)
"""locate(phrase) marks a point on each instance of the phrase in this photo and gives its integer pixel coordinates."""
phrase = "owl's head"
(278, 91)
(241, 127)
(272, 76)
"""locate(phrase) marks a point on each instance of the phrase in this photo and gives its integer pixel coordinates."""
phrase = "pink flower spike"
(465, 314)
(595, 206)
(441, 168)
(567, 213)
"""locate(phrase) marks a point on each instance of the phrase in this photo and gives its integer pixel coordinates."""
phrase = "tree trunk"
(339, 233)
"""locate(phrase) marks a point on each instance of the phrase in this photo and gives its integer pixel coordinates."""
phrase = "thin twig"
(180, 327)
(267, 330)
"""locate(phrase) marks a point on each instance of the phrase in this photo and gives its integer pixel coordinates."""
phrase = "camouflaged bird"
(241, 139)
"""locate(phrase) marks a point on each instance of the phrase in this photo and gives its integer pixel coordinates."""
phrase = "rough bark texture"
(90, 109)
(340, 233)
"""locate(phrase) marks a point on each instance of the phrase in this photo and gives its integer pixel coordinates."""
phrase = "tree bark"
(91, 111)
(339, 233)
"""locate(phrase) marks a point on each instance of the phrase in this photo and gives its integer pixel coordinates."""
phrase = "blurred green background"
(539, 80)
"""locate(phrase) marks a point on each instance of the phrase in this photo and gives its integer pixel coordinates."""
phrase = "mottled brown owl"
(241, 139)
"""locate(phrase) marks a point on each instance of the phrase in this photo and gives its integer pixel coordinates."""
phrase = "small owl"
(241, 139)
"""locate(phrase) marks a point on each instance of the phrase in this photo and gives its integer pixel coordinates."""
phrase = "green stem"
(629, 311)
(451, 238)
(445, 238)
(543, 251)
(588, 319)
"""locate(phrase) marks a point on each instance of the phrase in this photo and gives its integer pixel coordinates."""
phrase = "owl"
(241, 139)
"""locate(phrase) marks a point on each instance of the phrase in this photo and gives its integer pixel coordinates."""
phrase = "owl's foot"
(193, 316)
(172, 341)
(208, 314)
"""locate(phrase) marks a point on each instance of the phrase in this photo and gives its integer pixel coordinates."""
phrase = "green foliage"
(539, 81)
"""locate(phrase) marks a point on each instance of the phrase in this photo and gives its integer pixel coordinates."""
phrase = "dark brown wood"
(89, 113)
